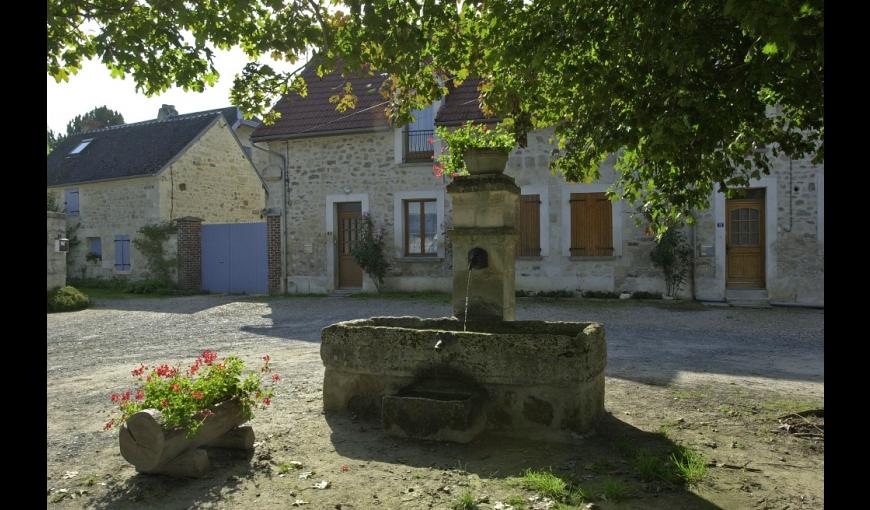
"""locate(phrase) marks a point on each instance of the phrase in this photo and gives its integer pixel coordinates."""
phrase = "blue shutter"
(95, 246)
(72, 202)
(122, 253)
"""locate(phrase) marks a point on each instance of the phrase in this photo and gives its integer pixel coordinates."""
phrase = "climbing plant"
(672, 255)
(151, 245)
(369, 251)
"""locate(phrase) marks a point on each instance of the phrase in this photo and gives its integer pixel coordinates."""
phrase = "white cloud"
(93, 86)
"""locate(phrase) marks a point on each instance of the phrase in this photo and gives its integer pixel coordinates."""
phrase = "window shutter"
(591, 225)
(72, 202)
(122, 252)
(528, 226)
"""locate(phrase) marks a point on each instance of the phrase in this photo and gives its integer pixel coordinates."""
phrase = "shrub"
(369, 251)
(672, 255)
(646, 295)
(186, 397)
(67, 299)
(469, 136)
(151, 246)
(601, 294)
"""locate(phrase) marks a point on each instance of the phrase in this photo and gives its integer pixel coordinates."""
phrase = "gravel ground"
(653, 347)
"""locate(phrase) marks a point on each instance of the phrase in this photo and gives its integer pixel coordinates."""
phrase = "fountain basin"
(530, 379)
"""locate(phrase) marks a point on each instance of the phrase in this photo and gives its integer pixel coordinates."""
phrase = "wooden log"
(239, 438)
(192, 464)
(146, 443)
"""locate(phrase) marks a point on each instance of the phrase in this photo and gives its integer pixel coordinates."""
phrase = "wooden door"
(349, 217)
(744, 243)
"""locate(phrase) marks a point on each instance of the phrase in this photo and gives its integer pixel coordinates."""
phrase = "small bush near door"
(67, 299)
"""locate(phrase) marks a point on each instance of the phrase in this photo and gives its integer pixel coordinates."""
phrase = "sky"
(94, 86)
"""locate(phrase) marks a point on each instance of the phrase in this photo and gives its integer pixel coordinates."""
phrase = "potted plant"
(474, 149)
(174, 411)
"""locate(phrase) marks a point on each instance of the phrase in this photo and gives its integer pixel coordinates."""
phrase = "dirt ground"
(703, 398)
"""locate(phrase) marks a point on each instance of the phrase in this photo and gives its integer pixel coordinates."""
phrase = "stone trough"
(429, 379)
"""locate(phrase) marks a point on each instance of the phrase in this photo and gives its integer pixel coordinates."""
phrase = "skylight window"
(80, 147)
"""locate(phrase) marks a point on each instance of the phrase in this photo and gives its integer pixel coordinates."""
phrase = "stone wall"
(362, 167)
(212, 180)
(55, 229)
(107, 209)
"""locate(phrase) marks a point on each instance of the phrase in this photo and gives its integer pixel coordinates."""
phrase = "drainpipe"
(283, 215)
(694, 251)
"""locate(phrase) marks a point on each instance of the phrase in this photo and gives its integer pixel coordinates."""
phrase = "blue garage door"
(234, 258)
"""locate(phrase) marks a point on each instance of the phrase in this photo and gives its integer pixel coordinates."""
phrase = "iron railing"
(417, 146)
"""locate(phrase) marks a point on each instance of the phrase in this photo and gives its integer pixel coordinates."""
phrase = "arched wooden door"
(744, 244)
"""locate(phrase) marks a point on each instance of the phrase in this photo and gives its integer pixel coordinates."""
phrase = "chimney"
(166, 111)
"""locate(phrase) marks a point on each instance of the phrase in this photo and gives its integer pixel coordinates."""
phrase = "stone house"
(768, 247)
(113, 181)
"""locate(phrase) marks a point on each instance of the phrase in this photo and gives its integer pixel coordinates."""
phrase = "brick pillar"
(273, 250)
(190, 253)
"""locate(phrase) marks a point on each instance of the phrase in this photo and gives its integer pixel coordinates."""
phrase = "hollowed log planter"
(152, 448)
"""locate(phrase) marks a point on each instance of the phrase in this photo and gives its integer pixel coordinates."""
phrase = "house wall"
(363, 167)
(56, 272)
(107, 209)
(325, 171)
(212, 180)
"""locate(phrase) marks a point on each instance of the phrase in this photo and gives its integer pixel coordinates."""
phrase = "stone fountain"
(452, 378)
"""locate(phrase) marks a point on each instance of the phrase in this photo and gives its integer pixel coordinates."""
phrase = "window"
(421, 222)
(71, 196)
(95, 248)
(418, 136)
(591, 225)
(81, 146)
(528, 226)
(122, 253)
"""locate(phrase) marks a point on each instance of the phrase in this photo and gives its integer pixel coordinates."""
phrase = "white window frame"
(399, 224)
(399, 141)
(615, 218)
(81, 146)
(543, 193)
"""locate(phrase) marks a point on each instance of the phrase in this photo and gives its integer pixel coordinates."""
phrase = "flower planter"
(485, 161)
(152, 448)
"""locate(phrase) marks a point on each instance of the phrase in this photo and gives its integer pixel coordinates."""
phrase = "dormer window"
(81, 146)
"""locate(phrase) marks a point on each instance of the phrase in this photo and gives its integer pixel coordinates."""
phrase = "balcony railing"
(417, 146)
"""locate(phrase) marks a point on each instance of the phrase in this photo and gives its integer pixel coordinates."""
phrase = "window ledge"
(539, 257)
(420, 163)
(596, 258)
(420, 259)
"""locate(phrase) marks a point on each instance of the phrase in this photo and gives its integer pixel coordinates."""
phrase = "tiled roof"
(461, 105)
(129, 150)
(314, 114)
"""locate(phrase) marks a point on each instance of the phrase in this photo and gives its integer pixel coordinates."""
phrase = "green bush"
(602, 294)
(369, 251)
(646, 295)
(67, 299)
(673, 255)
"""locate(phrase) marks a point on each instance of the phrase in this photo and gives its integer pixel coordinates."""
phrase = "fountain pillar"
(485, 210)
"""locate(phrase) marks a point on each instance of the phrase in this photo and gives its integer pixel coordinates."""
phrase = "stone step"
(747, 298)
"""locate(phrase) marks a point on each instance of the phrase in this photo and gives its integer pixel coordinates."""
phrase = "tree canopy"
(690, 96)
(98, 118)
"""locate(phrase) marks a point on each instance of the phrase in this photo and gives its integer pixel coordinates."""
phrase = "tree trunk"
(147, 445)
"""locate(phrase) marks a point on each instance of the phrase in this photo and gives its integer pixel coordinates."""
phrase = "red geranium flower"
(267, 358)
(107, 426)
(126, 396)
(276, 377)
(209, 357)
(164, 403)
(138, 371)
(176, 388)
(115, 397)
(140, 395)
(267, 401)
(197, 395)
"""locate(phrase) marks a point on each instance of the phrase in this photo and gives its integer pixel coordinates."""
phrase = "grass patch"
(286, 467)
(690, 466)
(466, 501)
(66, 299)
(784, 406)
(543, 482)
(613, 489)
(688, 394)
(650, 468)
(431, 297)
(516, 501)
(624, 447)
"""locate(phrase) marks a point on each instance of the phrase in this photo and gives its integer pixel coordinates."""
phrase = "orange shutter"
(591, 225)
(528, 226)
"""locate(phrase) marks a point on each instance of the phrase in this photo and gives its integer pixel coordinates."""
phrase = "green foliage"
(545, 293)
(66, 299)
(370, 252)
(186, 398)
(640, 294)
(679, 94)
(93, 257)
(51, 203)
(543, 482)
(466, 501)
(672, 255)
(151, 245)
(690, 465)
(650, 468)
(600, 294)
(98, 118)
(613, 489)
(469, 136)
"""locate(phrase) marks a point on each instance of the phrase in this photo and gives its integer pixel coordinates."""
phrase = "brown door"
(349, 217)
(744, 244)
